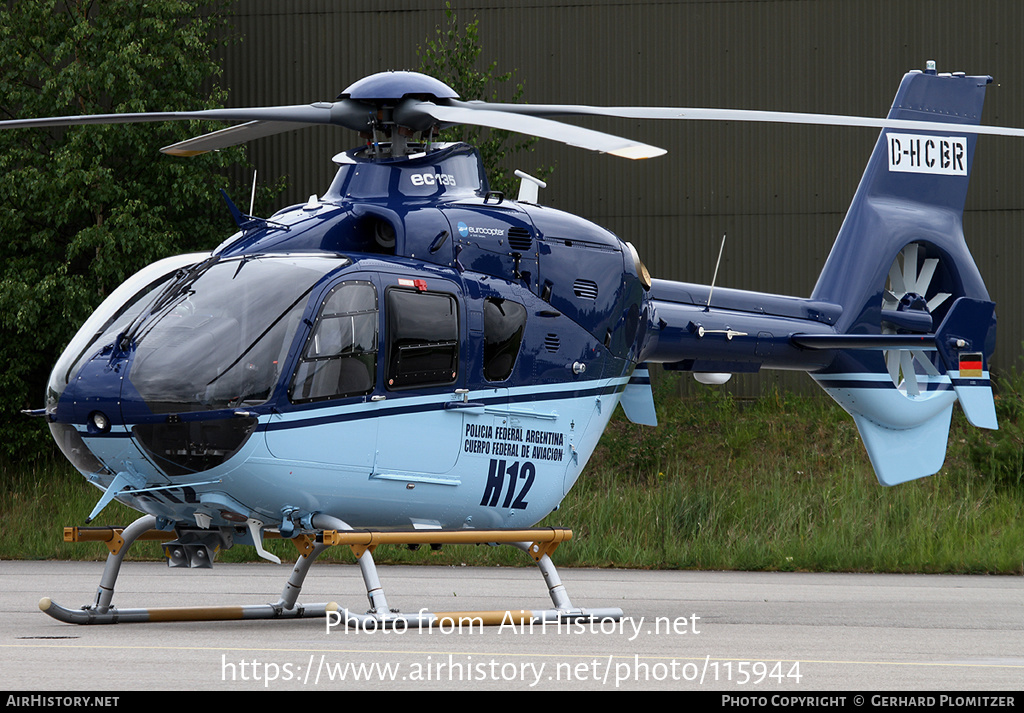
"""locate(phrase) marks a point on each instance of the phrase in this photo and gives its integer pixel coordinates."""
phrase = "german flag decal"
(971, 365)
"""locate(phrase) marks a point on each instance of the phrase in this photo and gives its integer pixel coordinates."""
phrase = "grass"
(779, 483)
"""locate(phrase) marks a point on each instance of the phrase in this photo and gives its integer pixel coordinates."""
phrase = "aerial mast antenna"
(714, 277)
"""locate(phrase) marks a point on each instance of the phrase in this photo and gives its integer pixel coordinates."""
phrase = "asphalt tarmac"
(751, 634)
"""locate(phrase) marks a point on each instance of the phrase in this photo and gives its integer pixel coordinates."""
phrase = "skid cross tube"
(539, 543)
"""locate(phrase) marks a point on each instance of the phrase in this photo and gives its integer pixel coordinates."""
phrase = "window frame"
(372, 363)
(499, 349)
(392, 367)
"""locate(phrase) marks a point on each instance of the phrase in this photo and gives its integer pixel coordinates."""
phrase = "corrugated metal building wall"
(779, 192)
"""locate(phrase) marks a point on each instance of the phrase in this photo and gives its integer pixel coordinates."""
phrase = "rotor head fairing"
(395, 86)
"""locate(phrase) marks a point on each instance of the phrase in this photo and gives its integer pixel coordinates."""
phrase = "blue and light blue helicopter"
(413, 356)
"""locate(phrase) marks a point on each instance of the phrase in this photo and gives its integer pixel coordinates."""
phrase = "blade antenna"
(714, 277)
(252, 196)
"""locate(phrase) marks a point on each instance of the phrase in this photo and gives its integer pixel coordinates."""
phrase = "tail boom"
(732, 330)
(899, 266)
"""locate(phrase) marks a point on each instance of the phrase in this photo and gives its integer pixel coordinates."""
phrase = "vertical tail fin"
(900, 266)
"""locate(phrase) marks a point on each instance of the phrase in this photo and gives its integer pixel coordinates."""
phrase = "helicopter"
(412, 357)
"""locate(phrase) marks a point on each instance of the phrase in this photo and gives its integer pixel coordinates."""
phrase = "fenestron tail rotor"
(908, 302)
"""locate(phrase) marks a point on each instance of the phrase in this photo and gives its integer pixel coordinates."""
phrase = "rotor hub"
(912, 302)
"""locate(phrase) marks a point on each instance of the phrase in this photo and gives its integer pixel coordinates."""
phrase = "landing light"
(231, 516)
(98, 422)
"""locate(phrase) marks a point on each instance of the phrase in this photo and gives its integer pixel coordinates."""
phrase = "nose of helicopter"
(174, 389)
(86, 418)
(105, 426)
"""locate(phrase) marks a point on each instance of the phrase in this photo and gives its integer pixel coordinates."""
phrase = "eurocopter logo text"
(465, 230)
(941, 155)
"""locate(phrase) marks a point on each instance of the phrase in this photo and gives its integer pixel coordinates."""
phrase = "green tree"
(83, 208)
(453, 56)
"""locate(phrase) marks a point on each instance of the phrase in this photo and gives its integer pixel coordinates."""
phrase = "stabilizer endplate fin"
(969, 323)
(977, 400)
(638, 398)
(899, 455)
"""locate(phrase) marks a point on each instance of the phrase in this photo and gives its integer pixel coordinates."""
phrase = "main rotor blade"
(260, 122)
(537, 126)
(524, 118)
(320, 113)
(701, 114)
(231, 136)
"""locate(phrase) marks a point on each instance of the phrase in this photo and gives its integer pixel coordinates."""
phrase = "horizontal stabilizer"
(864, 341)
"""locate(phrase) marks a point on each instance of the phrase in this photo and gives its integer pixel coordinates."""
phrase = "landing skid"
(539, 543)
